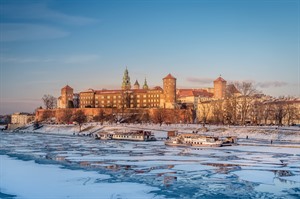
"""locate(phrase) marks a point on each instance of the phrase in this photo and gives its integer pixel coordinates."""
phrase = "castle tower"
(219, 88)
(66, 97)
(136, 85)
(169, 84)
(126, 81)
(145, 86)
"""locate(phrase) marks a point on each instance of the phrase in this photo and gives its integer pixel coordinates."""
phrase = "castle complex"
(135, 97)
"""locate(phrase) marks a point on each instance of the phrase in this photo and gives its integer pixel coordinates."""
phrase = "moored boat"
(134, 136)
(191, 139)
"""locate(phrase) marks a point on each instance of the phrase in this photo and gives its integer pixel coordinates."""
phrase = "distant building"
(21, 118)
(169, 94)
(68, 98)
(219, 88)
(139, 96)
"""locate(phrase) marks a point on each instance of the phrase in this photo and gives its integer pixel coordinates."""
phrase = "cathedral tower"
(145, 86)
(126, 81)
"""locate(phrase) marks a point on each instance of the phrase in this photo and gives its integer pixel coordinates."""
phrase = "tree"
(159, 116)
(100, 116)
(217, 111)
(49, 101)
(247, 91)
(267, 112)
(204, 110)
(66, 116)
(279, 112)
(291, 112)
(256, 112)
(80, 118)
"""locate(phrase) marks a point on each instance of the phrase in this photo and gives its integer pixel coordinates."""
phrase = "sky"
(45, 45)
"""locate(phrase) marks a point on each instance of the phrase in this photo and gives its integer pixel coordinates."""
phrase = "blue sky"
(87, 44)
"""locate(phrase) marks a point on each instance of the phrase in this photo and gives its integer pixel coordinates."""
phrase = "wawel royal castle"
(139, 97)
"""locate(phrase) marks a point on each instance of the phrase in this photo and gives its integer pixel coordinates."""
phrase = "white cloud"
(269, 84)
(23, 60)
(41, 12)
(27, 32)
(73, 59)
(200, 80)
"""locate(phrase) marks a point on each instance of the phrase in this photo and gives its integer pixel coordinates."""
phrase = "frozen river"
(57, 166)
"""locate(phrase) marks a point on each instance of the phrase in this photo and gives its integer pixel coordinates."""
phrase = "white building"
(21, 118)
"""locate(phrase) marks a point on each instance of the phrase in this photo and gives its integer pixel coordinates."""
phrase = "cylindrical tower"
(219, 88)
(169, 84)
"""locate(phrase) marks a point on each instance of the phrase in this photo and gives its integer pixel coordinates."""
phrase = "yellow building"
(21, 118)
(137, 96)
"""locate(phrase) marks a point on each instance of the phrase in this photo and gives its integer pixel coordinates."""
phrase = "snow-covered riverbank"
(291, 134)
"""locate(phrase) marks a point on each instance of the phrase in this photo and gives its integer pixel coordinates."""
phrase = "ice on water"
(59, 166)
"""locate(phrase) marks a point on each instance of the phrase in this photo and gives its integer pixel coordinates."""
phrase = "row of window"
(119, 96)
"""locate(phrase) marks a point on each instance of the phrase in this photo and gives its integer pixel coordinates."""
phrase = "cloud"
(73, 59)
(200, 80)
(23, 60)
(270, 84)
(28, 32)
(41, 12)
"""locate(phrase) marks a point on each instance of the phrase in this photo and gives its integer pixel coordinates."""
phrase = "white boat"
(134, 136)
(191, 139)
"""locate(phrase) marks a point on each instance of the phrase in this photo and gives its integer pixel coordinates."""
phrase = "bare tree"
(247, 91)
(100, 116)
(267, 111)
(80, 118)
(231, 104)
(279, 112)
(291, 113)
(256, 112)
(159, 116)
(66, 116)
(217, 111)
(204, 110)
(49, 101)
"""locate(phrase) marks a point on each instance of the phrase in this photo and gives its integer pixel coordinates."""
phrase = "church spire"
(126, 80)
(145, 86)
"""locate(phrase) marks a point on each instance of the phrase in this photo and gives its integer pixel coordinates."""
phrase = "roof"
(67, 87)
(220, 79)
(232, 89)
(157, 88)
(136, 82)
(193, 92)
(169, 76)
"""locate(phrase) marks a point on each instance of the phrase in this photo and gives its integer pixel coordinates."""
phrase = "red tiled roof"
(169, 76)
(157, 88)
(193, 92)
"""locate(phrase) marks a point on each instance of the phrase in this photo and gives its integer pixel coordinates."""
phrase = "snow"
(253, 132)
(31, 180)
(256, 176)
(151, 169)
